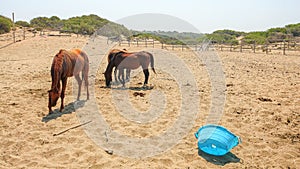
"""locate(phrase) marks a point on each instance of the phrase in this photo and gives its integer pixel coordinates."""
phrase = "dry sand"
(262, 107)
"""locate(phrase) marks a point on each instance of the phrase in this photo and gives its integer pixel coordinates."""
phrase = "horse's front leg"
(79, 81)
(121, 74)
(115, 73)
(128, 75)
(62, 95)
(50, 110)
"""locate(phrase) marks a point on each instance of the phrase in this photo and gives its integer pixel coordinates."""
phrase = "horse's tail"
(152, 62)
(85, 71)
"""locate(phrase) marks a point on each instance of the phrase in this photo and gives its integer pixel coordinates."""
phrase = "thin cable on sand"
(56, 134)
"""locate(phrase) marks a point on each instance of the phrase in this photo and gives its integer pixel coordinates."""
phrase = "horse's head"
(108, 78)
(53, 97)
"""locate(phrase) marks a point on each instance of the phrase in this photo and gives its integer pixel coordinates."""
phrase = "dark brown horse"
(110, 56)
(67, 64)
(124, 60)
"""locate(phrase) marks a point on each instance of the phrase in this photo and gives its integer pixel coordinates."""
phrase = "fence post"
(254, 45)
(241, 46)
(153, 43)
(267, 48)
(23, 33)
(14, 36)
(182, 47)
(284, 47)
(14, 28)
(162, 45)
(146, 42)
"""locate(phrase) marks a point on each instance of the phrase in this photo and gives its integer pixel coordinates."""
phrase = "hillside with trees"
(5, 24)
(229, 37)
(89, 24)
(85, 25)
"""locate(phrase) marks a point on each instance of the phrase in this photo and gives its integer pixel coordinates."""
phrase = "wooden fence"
(15, 36)
(25, 33)
(284, 47)
(150, 43)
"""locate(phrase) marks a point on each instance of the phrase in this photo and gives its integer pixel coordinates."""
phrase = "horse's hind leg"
(146, 73)
(79, 81)
(86, 83)
(128, 75)
(62, 95)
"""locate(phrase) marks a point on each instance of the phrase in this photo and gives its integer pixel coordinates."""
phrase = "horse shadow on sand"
(220, 160)
(68, 109)
(142, 88)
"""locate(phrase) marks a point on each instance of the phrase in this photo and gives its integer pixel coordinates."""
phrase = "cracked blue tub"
(216, 140)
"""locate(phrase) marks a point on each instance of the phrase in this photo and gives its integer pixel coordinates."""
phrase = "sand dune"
(262, 107)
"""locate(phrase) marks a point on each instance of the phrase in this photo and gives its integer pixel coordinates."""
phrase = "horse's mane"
(113, 52)
(58, 60)
(56, 68)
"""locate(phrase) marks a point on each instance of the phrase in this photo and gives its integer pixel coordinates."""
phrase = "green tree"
(55, 23)
(40, 22)
(258, 37)
(221, 37)
(273, 31)
(22, 23)
(229, 32)
(294, 29)
(5, 24)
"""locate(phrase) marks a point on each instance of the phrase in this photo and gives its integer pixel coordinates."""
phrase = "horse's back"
(76, 51)
(135, 60)
(75, 61)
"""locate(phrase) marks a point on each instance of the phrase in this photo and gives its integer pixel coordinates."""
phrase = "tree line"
(85, 25)
(230, 37)
(289, 32)
(89, 24)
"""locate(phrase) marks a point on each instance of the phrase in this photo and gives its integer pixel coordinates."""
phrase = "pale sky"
(206, 16)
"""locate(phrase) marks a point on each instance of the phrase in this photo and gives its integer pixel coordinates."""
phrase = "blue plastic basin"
(216, 140)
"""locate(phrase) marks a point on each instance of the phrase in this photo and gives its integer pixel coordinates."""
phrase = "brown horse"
(110, 56)
(67, 64)
(123, 60)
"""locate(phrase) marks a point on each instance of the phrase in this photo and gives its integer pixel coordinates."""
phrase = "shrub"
(5, 24)
(22, 23)
(257, 37)
(294, 29)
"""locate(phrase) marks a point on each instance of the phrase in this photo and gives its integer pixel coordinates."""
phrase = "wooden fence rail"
(14, 36)
(284, 47)
(22, 34)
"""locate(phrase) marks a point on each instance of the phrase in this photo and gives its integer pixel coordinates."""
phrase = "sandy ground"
(262, 107)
